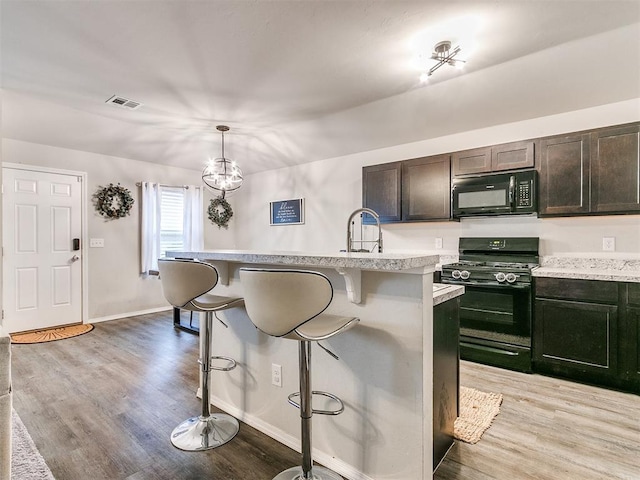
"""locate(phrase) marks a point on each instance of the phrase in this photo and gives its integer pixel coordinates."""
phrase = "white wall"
(332, 189)
(115, 285)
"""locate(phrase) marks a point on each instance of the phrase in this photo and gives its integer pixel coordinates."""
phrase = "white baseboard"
(118, 316)
(346, 470)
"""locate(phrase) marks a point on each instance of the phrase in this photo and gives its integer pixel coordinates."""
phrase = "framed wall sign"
(287, 212)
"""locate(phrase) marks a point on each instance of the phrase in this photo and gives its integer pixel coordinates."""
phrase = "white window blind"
(171, 219)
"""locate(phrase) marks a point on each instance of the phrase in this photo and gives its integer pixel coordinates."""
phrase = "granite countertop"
(442, 293)
(589, 268)
(357, 260)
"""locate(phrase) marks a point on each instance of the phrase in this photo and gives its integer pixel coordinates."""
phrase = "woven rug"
(51, 334)
(26, 461)
(477, 411)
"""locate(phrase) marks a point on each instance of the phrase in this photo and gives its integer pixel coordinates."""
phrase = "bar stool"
(289, 304)
(185, 284)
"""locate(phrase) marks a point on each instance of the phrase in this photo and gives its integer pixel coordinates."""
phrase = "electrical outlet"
(439, 243)
(609, 244)
(276, 375)
(96, 242)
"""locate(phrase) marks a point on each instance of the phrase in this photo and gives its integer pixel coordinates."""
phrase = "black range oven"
(496, 309)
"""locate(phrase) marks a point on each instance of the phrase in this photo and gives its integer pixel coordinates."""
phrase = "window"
(171, 219)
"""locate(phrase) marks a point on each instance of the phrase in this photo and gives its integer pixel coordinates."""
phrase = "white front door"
(42, 273)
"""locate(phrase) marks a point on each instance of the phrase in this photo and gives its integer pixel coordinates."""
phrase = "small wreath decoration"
(220, 212)
(113, 201)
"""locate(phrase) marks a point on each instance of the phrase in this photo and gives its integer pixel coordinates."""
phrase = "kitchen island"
(385, 371)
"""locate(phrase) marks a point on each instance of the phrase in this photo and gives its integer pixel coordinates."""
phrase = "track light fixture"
(443, 55)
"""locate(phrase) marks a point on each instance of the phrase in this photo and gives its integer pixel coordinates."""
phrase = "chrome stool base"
(204, 433)
(317, 473)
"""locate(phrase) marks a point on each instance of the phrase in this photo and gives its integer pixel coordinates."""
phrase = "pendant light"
(222, 174)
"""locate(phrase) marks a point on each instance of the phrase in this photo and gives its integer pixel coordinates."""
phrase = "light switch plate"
(96, 242)
(439, 243)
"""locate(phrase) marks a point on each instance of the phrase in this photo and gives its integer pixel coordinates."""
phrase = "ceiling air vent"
(123, 102)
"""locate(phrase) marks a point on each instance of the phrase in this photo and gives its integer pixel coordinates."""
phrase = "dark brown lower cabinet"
(587, 331)
(576, 338)
(446, 368)
(631, 341)
(632, 360)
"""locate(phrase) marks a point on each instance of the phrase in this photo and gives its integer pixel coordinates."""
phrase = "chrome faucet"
(349, 230)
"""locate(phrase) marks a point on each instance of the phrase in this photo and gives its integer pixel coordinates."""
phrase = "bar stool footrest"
(231, 366)
(333, 397)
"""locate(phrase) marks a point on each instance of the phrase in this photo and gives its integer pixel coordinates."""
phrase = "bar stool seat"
(290, 304)
(185, 284)
(322, 327)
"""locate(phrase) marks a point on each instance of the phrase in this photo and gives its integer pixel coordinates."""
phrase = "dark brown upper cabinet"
(615, 170)
(511, 156)
(590, 173)
(381, 190)
(563, 177)
(426, 188)
(497, 158)
(473, 161)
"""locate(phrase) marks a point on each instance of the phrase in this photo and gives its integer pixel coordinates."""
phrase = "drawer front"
(569, 289)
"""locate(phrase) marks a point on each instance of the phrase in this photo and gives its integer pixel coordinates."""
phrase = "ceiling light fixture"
(443, 55)
(222, 174)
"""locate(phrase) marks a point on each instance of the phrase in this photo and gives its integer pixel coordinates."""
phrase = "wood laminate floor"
(102, 406)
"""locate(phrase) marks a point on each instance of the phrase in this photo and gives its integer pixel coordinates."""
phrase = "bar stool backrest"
(279, 301)
(185, 280)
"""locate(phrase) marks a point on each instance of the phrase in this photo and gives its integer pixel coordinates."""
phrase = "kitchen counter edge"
(364, 261)
(443, 293)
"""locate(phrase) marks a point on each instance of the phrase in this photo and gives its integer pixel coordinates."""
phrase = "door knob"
(75, 258)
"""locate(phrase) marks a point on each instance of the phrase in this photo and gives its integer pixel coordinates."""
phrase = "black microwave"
(495, 194)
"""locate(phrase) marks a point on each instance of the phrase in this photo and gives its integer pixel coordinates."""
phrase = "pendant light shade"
(222, 174)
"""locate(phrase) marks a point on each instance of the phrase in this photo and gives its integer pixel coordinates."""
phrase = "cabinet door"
(426, 188)
(576, 339)
(630, 347)
(630, 338)
(615, 170)
(564, 175)
(446, 375)
(510, 156)
(381, 191)
(473, 161)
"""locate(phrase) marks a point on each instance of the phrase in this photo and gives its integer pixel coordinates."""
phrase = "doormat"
(477, 411)
(51, 334)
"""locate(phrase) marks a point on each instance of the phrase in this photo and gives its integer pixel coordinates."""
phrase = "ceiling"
(299, 80)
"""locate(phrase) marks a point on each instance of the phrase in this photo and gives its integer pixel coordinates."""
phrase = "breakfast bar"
(384, 374)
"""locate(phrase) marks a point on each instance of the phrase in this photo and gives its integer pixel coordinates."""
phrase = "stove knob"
(511, 277)
(464, 275)
(455, 274)
(501, 277)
